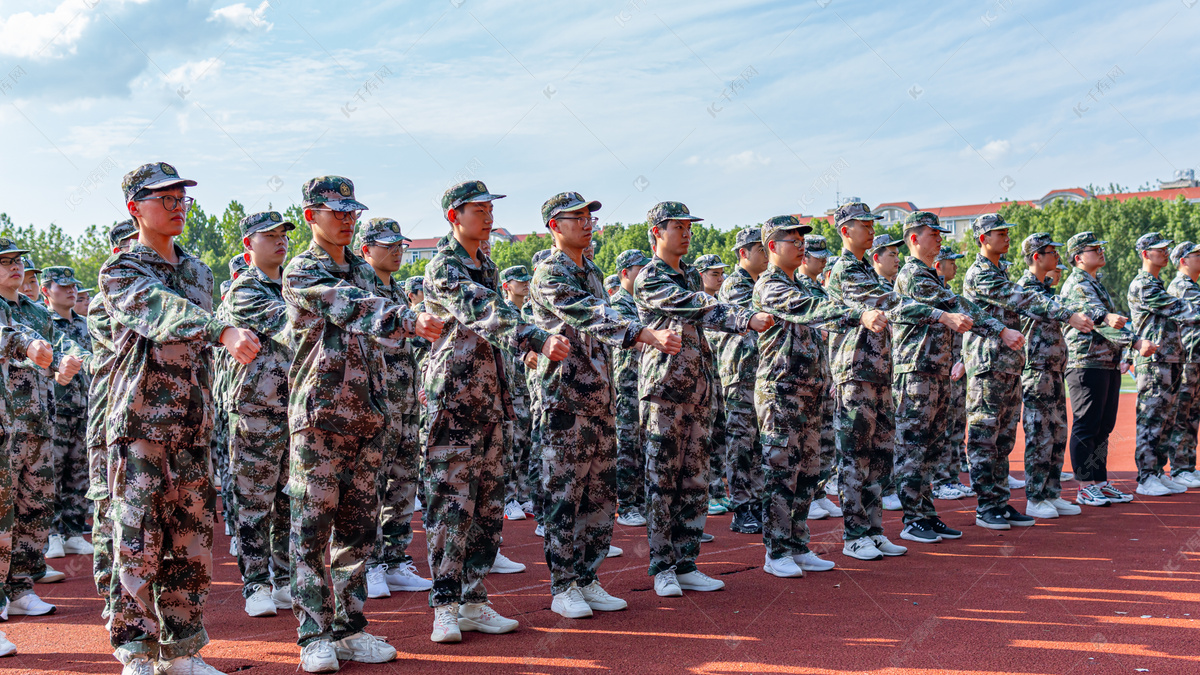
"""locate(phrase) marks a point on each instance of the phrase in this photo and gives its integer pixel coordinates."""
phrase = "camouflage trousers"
(397, 490)
(828, 440)
(718, 453)
(1158, 386)
(102, 528)
(744, 448)
(519, 452)
(32, 474)
(993, 412)
(677, 457)
(631, 457)
(162, 513)
(220, 459)
(866, 432)
(6, 514)
(921, 400)
(537, 436)
(465, 512)
(791, 462)
(1182, 444)
(258, 465)
(947, 465)
(70, 475)
(579, 477)
(1044, 395)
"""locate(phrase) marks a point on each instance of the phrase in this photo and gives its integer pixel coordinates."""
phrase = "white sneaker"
(1015, 483)
(54, 547)
(540, 530)
(811, 562)
(1186, 479)
(228, 530)
(946, 492)
(445, 624)
(138, 664)
(233, 547)
(614, 552)
(319, 657)
(185, 665)
(513, 511)
(831, 487)
(1065, 508)
(52, 576)
(364, 648)
(784, 567)
(481, 617)
(404, 577)
(666, 585)
(570, 603)
(417, 505)
(698, 581)
(1042, 509)
(1151, 487)
(966, 490)
(891, 503)
(504, 566)
(7, 648)
(527, 507)
(260, 603)
(1066, 476)
(282, 597)
(830, 508)
(599, 599)
(77, 545)
(862, 548)
(377, 586)
(30, 605)
(631, 519)
(815, 512)
(886, 547)
(1170, 484)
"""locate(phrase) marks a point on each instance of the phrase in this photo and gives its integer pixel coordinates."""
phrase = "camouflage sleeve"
(1085, 300)
(934, 293)
(1156, 300)
(784, 301)
(860, 289)
(998, 291)
(249, 307)
(482, 310)
(739, 294)
(347, 306)
(665, 296)
(154, 311)
(15, 341)
(582, 310)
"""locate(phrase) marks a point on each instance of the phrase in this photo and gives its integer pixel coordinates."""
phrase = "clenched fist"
(959, 323)
(665, 341)
(874, 320)
(1013, 339)
(429, 326)
(556, 348)
(1081, 322)
(41, 353)
(761, 321)
(69, 366)
(242, 344)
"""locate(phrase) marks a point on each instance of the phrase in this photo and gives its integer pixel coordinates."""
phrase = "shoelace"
(575, 594)
(447, 617)
(408, 567)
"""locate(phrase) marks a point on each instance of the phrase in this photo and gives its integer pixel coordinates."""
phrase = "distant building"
(423, 249)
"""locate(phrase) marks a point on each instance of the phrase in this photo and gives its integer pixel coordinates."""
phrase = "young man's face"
(1055, 276)
(860, 233)
(473, 221)
(1157, 256)
(1190, 263)
(946, 269)
(628, 275)
(674, 237)
(574, 229)
(753, 258)
(384, 257)
(82, 299)
(268, 248)
(887, 261)
(1091, 257)
(814, 266)
(332, 227)
(996, 241)
(62, 298)
(415, 298)
(517, 289)
(30, 287)
(712, 280)
(153, 215)
(1046, 260)
(925, 242)
(787, 252)
(12, 272)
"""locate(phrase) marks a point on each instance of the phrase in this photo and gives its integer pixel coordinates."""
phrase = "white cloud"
(241, 16)
(43, 36)
(747, 159)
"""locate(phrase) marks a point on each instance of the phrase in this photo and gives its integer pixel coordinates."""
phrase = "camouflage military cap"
(947, 253)
(853, 211)
(634, 257)
(225, 287)
(1181, 251)
(122, 231)
(467, 192)
(541, 255)
(8, 246)
(747, 236)
(565, 202)
(383, 231)
(1036, 242)
(61, 275)
(664, 211)
(333, 192)
(710, 261)
(152, 176)
(238, 264)
(816, 246)
(989, 222)
(777, 225)
(611, 283)
(515, 273)
(923, 219)
(29, 266)
(262, 222)
(883, 241)
(414, 284)
(1151, 240)
(1080, 241)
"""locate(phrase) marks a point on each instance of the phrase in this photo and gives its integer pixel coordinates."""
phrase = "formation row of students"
(623, 395)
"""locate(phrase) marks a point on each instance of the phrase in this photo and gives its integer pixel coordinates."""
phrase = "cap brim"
(738, 247)
(485, 197)
(163, 184)
(817, 254)
(592, 206)
(390, 239)
(344, 205)
(1002, 226)
(15, 251)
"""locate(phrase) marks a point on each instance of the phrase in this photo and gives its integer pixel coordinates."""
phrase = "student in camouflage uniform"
(515, 282)
(464, 454)
(223, 369)
(70, 422)
(1181, 445)
(994, 374)
(676, 393)
(952, 459)
(712, 275)
(337, 414)
(533, 386)
(611, 283)
(790, 384)
(1157, 316)
(631, 460)
(83, 298)
(580, 452)
(31, 286)
(1043, 390)
(159, 298)
(885, 260)
(414, 290)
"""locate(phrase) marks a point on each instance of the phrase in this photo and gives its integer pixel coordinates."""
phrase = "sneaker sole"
(323, 668)
(578, 614)
(943, 535)
(601, 607)
(466, 625)
(893, 555)
(1046, 517)
(1021, 523)
(52, 578)
(919, 540)
(506, 570)
(702, 590)
(14, 612)
(784, 576)
(669, 593)
(449, 638)
(409, 589)
(810, 568)
(1095, 504)
(993, 526)
(858, 557)
(378, 596)
(746, 530)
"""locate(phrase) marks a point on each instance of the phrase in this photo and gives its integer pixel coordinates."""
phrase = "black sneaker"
(920, 531)
(944, 530)
(1015, 517)
(705, 537)
(992, 519)
(745, 522)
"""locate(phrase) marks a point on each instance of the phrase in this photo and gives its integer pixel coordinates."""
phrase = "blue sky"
(742, 110)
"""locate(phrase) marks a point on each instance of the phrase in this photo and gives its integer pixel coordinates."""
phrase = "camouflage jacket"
(923, 347)
(402, 375)
(677, 301)
(163, 330)
(626, 361)
(570, 300)
(790, 353)
(859, 354)
(465, 373)
(255, 302)
(100, 368)
(14, 342)
(1102, 347)
(533, 386)
(33, 403)
(988, 286)
(829, 331)
(71, 400)
(420, 346)
(737, 353)
(514, 366)
(1045, 346)
(1184, 288)
(1156, 316)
